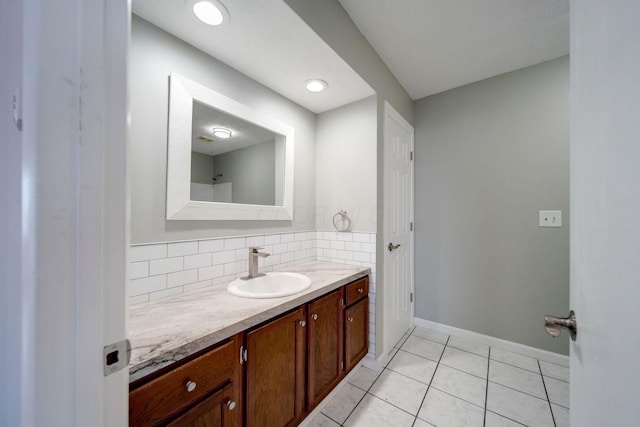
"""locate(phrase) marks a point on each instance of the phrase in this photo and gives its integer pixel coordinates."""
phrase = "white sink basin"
(273, 285)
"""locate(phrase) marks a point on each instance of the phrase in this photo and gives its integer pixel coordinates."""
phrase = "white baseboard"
(558, 359)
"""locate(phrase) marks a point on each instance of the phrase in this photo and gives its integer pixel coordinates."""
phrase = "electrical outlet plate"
(550, 219)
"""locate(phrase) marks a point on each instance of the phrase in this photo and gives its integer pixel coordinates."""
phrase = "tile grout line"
(431, 380)
(553, 418)
(486, 391)
(367, 390)
(505, 417)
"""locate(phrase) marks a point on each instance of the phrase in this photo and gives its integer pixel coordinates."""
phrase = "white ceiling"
(434, 45)
(267, 41)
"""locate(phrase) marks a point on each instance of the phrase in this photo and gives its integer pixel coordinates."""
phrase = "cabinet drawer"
(169, 394)
(356, 290)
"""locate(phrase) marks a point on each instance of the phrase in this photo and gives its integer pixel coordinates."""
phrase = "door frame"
(391, 113)
(69, 299)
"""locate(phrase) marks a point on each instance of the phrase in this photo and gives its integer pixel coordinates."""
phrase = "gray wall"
(488, 157)
(346, 153)
(334, 25)
(201, 168)
(153, 55)
(251, 170)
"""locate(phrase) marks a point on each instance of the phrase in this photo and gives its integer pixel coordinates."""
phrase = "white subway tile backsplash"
(223, 257)
(165, 293)
(254, 241)
(287, 257)
(235, 243)
(286, 238)
(330, 235)
(182, 266)
(361, 237)
(271, 239)
(181, 278)
(242, 254)
(138, 269)
(215, 245)
(147, 285)
(212, 272)
(353, 246)
(369, 247)
(271, 260)
(321, 243)
(182, 249)
(335, 244)
(139, 299)
(361, 256)
(197, 261)
(147, 252)
(279, 248)
(293, 246)
(197, 285)
(166, 265)
(345, 237)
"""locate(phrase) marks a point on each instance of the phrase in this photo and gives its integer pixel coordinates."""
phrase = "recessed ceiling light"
(211, 12)
(221, 133)
(316, 85)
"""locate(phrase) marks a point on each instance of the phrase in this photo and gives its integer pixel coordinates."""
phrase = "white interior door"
(398, 234)
(67, 188)
(605, 212)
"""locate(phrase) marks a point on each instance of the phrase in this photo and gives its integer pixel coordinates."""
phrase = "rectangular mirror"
(226, 160)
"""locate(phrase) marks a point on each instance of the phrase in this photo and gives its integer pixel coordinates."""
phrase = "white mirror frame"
(182, 93)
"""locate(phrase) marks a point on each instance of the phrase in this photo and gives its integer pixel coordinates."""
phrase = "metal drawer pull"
(231, 405)
(302, 323)
(350, 319)
(191, 385)
(360, 290)
(314, 316)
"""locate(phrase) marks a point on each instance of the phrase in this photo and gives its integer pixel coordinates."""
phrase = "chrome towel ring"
(341, 221)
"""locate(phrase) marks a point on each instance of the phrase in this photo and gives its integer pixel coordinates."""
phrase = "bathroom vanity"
(211, 358)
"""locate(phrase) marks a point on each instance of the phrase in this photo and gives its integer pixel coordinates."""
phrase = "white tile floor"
(434, 379)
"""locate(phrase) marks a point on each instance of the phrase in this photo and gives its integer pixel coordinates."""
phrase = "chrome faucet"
(253, 262)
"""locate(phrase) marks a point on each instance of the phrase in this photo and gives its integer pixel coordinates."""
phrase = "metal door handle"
(554, 325)
(391, 246)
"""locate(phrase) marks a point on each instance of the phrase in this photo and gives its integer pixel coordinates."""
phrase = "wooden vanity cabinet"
(356, 322)
(271, 375)
(275, 371)
(326, 362)
(204, 390)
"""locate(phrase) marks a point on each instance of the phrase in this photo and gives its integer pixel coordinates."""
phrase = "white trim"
(182, 93)
(537, 353)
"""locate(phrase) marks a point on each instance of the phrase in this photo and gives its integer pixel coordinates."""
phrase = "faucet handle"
(254, 249)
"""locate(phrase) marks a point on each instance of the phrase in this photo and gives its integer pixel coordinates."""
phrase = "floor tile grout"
(486, 390)
(553, 418)
(447, 344)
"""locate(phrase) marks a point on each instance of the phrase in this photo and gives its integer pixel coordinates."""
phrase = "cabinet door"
(325, 346)
(216, 410)
(276, 359)
(356, 332)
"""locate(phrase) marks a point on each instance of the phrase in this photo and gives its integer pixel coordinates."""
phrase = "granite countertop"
(165, 331)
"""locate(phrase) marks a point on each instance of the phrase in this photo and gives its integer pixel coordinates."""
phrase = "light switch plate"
(550, 219)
